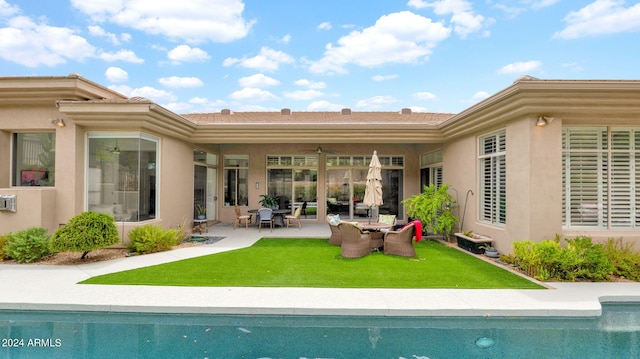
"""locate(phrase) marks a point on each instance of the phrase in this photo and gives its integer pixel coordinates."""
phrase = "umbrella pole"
(370, 210)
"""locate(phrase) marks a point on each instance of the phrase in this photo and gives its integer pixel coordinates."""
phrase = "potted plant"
(490, 251)
(434, 207)
(201, 211)
(268, 201)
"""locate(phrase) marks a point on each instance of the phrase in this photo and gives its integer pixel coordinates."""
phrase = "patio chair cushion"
(389, 219)
(333, 220)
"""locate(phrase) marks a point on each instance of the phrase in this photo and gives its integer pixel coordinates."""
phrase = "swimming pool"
(37, 334)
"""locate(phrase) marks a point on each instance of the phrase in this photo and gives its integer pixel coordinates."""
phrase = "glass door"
(345, 192)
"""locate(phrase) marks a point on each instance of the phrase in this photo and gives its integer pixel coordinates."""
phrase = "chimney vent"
(405, 111)
(346, 111)
(285, 111)
(225, 111)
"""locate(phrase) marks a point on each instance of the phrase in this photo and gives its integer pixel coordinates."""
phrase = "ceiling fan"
(319, 150)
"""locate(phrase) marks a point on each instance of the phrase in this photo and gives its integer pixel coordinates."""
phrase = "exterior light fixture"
(543, 121)
(58, 122)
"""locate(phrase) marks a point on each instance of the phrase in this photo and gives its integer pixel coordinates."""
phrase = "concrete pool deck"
(54, 287)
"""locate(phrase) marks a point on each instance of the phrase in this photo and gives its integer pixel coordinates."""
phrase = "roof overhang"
(588, 101)
(127, 115)
(48, 90)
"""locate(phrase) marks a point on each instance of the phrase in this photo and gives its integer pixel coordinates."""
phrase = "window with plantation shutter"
(493, 178)
(600, 171)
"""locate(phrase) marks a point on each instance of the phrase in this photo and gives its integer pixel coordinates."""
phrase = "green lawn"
(312, 262)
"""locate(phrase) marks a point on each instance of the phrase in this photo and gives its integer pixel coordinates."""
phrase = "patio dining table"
(377, 232)
(278, 216)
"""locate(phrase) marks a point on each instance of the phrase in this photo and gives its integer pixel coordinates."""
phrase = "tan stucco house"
(539, 158)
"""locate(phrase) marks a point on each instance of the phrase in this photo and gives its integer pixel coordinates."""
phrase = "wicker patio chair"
(336, 235)
(356, 243)
(400, 242)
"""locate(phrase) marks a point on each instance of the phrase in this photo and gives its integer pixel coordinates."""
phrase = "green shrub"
(580, 258)
(625, 259)
(28, 245)
(3, 242)
(86, 232)
(538, 260)
(152, 238)
(591, 262)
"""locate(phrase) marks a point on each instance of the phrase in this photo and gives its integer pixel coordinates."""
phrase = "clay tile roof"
(306, 118)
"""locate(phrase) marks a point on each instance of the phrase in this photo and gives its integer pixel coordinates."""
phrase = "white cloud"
(253, 94)
(520, 67)
(324, 26)
(185, 53)
(575, 67)
(384, 77)
(178, 107)
(8, 10)
(285, 39)
(310, 84)
(193, 21)
(27, 43)
(175, 81)
(479, 96)
(153, 94)
(116, 74)
(402, 37)
(122, 55)
(599, 18)
(158, 96)
(96, 30)
(267, 60)
(376, 102)
(418, 109)
(463, 17)
(258, 81)
(537, 4)
(324, 106)
(425, 96)
(303, 95)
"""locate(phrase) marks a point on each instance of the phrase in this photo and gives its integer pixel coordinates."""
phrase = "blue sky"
(264, 55)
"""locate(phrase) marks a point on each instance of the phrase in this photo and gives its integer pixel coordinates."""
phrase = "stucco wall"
(175, 183)
(33, 209)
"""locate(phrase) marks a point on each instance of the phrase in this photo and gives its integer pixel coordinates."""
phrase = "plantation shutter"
(437, 176)
(623, 178)
(493, 178)
(584, 177)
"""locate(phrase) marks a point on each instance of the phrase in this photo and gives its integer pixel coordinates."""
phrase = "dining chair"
(240, 218)
(294, 218)
(265, 215)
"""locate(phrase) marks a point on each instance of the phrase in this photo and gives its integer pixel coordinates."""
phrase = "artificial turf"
(312, 262)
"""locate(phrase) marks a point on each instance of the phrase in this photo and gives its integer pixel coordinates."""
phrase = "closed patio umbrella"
(373, 190)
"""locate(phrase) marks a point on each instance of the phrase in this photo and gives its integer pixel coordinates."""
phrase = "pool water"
(37, 334)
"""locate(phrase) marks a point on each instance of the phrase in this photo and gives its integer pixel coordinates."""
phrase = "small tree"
(86, 232)
(434, 209)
